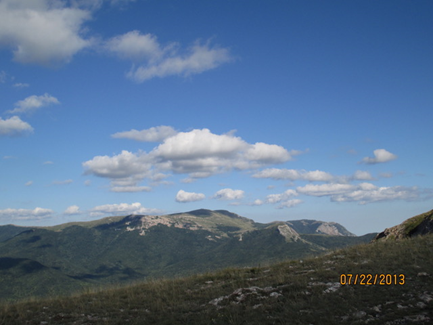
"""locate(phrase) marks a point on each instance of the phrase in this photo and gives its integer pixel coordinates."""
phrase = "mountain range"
(62, 259)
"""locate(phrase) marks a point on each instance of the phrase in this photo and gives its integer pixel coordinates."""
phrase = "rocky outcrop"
(319, 227)
(416, 226)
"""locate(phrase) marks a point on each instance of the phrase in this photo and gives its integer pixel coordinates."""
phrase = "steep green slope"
(421, 224)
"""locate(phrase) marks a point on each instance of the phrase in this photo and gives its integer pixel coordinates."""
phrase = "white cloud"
(201, 153)
(72, 210)
(380, 156)
(293, 174)
(87, 182)
(257, 202)
(367, 193)
(183, 197)
(154, 134)
(229, 194)
(135, 46)
(198, 153)
(130, 189)
(65, 182)
(267, 153)
(289, 203)
(25, 214)
(42, 31)
(325, 189)
(14, 126)
(32, 103)
(121, 209)
(274, 198)
(124, 165)
(363, 193)
(29, 183)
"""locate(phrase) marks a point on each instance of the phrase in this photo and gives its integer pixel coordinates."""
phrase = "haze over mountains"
(69, 257)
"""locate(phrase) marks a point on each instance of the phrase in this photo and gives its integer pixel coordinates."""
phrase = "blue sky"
(275, 110)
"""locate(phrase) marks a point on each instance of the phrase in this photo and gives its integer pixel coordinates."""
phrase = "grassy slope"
(295, 292)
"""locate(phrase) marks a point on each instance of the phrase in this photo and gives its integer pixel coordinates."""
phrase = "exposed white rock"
(288, 232)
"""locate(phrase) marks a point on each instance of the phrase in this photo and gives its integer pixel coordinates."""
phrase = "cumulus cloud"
(229, 194)
(362, 175)
(32, 103)
(29, 183)
(154, 134)
(72, 210)
(14, 126)
(42, 31)
(154, 60)
(25, 214)
(380, 156)
(201, 153)
(183, 197)
(121, 209)
(123, 165)
(197, 153)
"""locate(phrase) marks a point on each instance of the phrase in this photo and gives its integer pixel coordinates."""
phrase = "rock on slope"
(421, 224)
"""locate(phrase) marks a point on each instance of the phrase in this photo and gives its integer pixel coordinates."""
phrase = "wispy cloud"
(154, 134)
(20, 85)
(151, 59)
(32, 103)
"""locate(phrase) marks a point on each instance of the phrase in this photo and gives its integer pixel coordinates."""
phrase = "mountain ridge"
(135, 247)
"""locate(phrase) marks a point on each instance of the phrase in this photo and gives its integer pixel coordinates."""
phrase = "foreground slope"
(293, 292)
(419, 225)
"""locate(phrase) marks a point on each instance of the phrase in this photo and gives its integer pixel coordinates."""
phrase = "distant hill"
(65, 258)
(419, 225)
